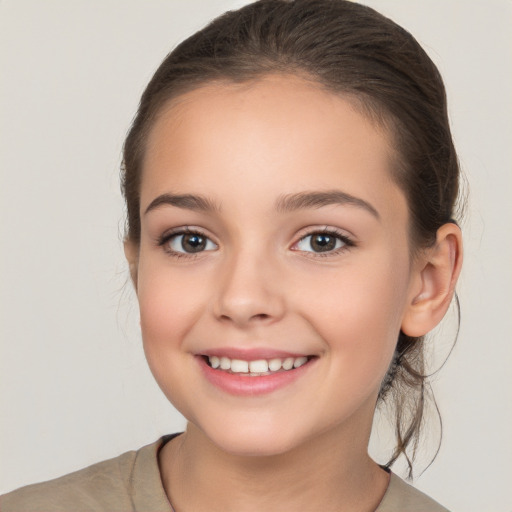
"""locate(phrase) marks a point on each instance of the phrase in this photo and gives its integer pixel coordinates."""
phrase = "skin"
(260, 285)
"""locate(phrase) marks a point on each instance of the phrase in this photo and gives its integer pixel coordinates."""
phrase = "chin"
(248, 433)
(250, 440)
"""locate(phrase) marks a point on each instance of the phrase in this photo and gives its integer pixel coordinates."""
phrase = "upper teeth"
(257, 366)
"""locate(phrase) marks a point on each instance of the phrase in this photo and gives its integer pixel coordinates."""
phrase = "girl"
(290, 183)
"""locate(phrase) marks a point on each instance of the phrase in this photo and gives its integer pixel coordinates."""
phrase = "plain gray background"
(74, 384)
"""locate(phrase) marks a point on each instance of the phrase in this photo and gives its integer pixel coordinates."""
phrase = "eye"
(323, 241)
(188, 242)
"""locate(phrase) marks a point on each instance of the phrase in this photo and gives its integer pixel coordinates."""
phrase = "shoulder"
(91, 488)
(112, 485)
(402, 497)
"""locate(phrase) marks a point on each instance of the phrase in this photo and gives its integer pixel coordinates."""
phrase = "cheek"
(166, 301)
(359, 316)
(167, 313)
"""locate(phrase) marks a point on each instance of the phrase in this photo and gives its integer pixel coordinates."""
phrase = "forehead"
(275, 133)
(282, 101)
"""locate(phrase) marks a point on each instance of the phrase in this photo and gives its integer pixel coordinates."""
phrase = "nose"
(249, 292)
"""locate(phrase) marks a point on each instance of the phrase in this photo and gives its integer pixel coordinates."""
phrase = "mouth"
(256, 367)
(254, 375)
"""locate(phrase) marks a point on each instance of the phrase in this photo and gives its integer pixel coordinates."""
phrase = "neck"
(331, 472)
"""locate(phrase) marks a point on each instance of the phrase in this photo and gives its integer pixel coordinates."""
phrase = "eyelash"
(167, 237)
(328, 231)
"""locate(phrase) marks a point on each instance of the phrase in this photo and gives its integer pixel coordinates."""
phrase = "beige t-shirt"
(131, 483)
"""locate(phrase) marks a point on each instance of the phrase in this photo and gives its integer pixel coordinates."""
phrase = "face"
(273, 270)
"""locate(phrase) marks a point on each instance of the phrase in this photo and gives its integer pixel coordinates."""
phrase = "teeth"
(274, 365)
(238, 366)
(299, 361)
(288, 363)
(259, 366)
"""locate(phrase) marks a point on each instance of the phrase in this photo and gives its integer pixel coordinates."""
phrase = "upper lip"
(250, 354)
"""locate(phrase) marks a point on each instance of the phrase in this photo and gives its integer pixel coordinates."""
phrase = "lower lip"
(245, 385)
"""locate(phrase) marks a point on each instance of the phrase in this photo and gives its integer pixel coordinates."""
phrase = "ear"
(131, 251)
(433, 283)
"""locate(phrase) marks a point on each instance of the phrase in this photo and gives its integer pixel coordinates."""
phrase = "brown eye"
(190, 243)
(193, 243)
(322, 242)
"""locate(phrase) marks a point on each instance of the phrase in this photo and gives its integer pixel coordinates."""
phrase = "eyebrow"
(187, 201)
(304, 200)
(284, 204)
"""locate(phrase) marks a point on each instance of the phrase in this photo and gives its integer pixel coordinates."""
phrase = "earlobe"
(131, 251)
(433, 285)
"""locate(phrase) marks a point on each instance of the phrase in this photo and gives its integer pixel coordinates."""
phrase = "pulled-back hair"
(348, 49)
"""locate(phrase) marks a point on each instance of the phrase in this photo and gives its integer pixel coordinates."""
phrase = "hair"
(354, 51)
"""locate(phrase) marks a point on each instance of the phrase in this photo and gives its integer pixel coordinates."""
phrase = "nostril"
(260, 316)
(257, 317)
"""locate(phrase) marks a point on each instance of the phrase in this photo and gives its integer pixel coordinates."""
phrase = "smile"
(256, 368)
(254, 376)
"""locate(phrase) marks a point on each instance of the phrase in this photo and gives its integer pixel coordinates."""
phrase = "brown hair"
(349, 49)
